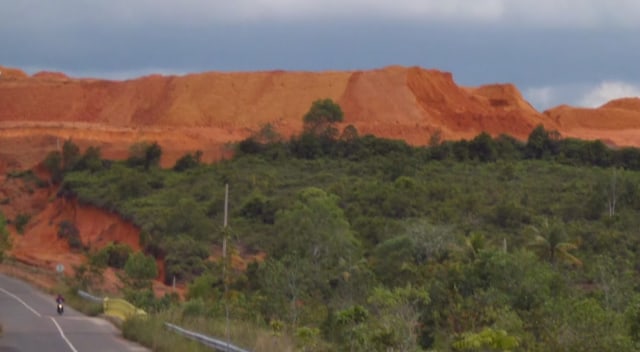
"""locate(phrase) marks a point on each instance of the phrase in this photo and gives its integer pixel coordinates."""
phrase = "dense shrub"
(21, 221)
(69, 232)
(115, 254)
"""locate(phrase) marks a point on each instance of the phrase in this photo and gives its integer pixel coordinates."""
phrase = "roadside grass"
(80, 304)
(151, 332)
(241, 333)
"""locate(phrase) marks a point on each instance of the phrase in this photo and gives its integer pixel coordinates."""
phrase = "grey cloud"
(590, 95)
(518, 13)
(475, 54)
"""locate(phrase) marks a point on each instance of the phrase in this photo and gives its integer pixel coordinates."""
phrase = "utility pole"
(224, 262)
(226, 209)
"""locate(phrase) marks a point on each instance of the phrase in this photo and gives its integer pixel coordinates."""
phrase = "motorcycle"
(60, 308)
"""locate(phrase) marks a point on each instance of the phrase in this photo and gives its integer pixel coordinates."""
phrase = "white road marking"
(63, 336)
(21, 301)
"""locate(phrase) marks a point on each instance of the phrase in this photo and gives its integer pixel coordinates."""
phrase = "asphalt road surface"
(30, 323)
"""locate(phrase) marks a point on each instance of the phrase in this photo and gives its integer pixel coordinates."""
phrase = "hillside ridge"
(208, 110)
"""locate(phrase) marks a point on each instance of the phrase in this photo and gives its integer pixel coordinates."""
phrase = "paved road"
(30, 323)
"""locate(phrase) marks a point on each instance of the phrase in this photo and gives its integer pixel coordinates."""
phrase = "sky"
(577, 52)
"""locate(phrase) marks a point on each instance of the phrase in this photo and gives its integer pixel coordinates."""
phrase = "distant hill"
(208, 110)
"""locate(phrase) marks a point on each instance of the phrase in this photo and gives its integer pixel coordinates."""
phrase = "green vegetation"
(67, 230)
(5, 240)
(140, 270)
(150, 331)
(78, 303)
(21, 221)
(490, 244)
(322, 117)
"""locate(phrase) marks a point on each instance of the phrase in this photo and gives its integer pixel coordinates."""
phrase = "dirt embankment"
(617, 121)
(38, 244)
(207, 111)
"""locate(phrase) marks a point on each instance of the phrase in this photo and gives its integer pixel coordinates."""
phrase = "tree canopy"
(321, 118)
(368, 244)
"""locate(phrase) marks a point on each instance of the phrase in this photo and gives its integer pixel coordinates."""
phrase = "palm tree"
(474, 244)
(549, 241)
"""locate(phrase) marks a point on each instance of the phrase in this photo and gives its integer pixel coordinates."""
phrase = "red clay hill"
(207, 111)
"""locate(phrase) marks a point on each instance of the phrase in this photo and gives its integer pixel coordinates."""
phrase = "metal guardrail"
(123, 309)
(90, 297)
(206, 340)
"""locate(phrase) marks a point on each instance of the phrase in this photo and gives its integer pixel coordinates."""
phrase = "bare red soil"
(207, 111)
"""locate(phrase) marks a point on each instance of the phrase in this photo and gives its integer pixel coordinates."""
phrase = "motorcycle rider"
(59, 301)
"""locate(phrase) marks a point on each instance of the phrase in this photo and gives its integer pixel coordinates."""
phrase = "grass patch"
(244, 334)
(151, 332)
(80, 304)
(241, 334)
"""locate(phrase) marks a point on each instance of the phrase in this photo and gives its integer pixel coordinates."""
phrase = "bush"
(195, 308)
(5, 241)
(140, 269)
(21, 221)
(146, 300)
(145, 154)
(188, 161)
(68, 230)
(116, 254)
(184, 260)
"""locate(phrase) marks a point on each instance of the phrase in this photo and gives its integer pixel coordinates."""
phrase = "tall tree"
(70, 155)
(315, 240)
(321, 118)
(91, 160)
(541, 143)
(482, 147)
(140, 269)
(5, 240)
(53, 164)
(550, 241)
(145, 154)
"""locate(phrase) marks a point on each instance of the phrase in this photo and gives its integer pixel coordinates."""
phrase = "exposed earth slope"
(616, 122)
(206, 111)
